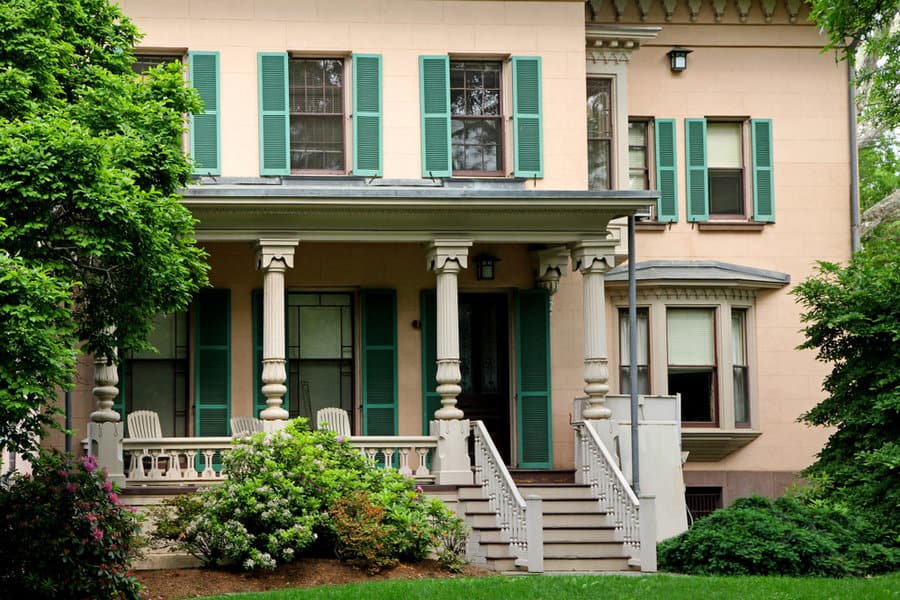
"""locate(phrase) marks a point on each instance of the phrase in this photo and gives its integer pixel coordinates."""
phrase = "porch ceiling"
(383, 213)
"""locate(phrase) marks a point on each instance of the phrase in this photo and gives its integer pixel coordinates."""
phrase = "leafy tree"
(879, 171)
(90, 162)
(853, 320)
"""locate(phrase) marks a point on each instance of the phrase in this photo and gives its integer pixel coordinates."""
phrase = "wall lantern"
(678, 59)
(484, 266)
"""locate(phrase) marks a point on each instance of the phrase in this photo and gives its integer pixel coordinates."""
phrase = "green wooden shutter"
(763, 186)
(367, 144)
(666, 174)
(379, 361)
(274, 118)
(204, 127)
(434, 89)
(533, 357)
(697, 180)
(259, 399)
(212, 369)
(431, 401)
(527, 130)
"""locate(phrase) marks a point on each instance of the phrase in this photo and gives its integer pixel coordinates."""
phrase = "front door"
(484, 364)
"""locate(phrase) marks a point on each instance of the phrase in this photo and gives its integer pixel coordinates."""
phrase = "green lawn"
(599, 587)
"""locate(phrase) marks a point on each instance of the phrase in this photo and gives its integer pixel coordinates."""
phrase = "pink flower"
(89, 463)
(114, 497)
(340, 439)
(107, 486)
(91, 518)
(418, 489)
(97, 534)
(71, 487)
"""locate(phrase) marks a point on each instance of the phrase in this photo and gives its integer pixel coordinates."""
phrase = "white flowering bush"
(280, 496)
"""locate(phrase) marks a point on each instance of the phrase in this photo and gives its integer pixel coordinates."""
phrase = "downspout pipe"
(632, 361)
(854, 157)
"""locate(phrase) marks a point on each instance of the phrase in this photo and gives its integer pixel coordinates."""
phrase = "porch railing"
(196, 460)
(608, 485)
(503, 495)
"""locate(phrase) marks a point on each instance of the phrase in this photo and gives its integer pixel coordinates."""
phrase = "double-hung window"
(303, 107)
(720, 179)
(600, 131)
(739, 367)
(463, 104)
(642, 364)
(691, 346)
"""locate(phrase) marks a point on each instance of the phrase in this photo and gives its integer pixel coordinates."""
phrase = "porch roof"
(698, 272)
(354, 209)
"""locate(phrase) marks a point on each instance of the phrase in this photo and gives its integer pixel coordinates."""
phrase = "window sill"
(650, 226)
(709, 445)
(745, 226)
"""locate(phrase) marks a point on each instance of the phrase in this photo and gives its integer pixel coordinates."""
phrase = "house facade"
(415, 210)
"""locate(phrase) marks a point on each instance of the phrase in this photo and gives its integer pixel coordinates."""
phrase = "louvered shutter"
(274, 117)
(367, 141)
(379, 361)
(666, 174)
(212, 369)
(534, 401)
(697, 180)
(431, 401)
(434, 88)
(527, 129)
(204, 127)
(763, 185)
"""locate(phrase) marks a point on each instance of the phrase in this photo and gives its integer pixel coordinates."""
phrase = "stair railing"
(599, 470)
(503, 495)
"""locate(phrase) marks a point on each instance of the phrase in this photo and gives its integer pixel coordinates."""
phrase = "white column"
(105, 431)
(450, 463)
(594, 258)
(446, 258)
(274, 257)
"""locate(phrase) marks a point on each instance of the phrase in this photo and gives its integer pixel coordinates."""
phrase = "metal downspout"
(854, 157)
(632, 361)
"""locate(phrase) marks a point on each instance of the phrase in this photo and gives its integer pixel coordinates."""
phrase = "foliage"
(90, 161)
(758, 536)
(879, 171)
(852, 318)
(36, 356)
(65, 534)
(285, 490)
(867, 26)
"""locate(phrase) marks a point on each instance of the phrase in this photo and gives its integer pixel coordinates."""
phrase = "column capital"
(593, 256)
(447, 254)
(270, 250)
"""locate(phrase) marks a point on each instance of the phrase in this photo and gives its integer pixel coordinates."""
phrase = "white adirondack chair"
(144, 424)
(333, 419)
(245, 426)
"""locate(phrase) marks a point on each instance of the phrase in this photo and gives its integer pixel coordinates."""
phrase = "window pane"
(738, 346)
(147, 61)
(598, 165)
(723, 141)
(741, 398)
(317, 107)
(599, 114)
(643, 353)
(638, 181)
(690, 336)
(637, 133)
(697, 389)
(477, 125)
(476, 144)
(739, 369)
(726, 192)
(643, 374)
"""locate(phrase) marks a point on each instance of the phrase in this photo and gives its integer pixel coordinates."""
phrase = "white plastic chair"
(245, 426)
(144, 424)
(333, 419)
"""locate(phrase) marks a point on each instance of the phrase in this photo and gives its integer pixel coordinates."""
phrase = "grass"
(593, 587)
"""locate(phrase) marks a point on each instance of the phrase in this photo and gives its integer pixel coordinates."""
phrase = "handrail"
(503, 495)
(608, 485)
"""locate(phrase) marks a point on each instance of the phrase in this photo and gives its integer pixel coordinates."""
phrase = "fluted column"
(593, 259)
(446, 258)
(274, 257)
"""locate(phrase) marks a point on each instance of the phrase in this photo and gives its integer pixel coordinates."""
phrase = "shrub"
(787, 536)
(286, 490)
(64, 533)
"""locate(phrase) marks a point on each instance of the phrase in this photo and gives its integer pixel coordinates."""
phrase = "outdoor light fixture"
(678, 59)
(484, 266)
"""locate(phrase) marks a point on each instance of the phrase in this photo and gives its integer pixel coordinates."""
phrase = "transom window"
(692, 362)
(316, 114)
(726, 168)
(476, 117)
(599, 127)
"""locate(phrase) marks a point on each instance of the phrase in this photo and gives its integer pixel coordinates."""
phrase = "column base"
(451, 464)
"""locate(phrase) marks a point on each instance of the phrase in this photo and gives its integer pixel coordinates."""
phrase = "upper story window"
(476, 103)
(717, 181)
(303, 102)
(638, 155)
(143, 62)
(317, 114)
(463, 115)
(599, 128)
